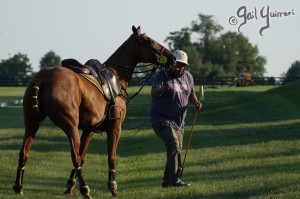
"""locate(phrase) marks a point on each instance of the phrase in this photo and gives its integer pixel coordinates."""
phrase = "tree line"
(211, 53)
(19, 64)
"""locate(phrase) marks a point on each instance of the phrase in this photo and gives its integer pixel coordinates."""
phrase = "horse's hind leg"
(30, 131)
(85, 140)
(32, 120)
(23, 157)
(71, 183)
(74, 140)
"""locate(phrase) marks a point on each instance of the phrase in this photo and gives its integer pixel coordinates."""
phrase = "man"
(172, 90)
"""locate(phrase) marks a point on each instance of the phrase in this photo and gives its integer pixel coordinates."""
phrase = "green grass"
(245, 144)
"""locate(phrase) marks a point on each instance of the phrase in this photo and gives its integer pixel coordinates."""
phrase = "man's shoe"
(180, 184)
(166, 184)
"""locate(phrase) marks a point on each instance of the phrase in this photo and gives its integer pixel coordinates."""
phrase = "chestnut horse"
(72, 103)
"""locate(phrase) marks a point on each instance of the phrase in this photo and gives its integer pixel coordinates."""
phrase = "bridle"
(157, 54)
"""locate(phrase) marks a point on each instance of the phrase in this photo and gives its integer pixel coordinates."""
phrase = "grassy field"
(245, 145)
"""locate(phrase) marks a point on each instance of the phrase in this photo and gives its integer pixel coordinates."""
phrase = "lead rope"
(144, 83)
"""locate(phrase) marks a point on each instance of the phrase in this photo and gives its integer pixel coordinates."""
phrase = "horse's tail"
(35, 97)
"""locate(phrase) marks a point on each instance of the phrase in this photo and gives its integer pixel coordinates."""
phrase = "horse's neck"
(123, 61)
(123, 71)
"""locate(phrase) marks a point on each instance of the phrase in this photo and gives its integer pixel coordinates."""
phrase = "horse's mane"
(120, 50)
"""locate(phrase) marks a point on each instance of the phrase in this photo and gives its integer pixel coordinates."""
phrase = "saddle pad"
(93, 80)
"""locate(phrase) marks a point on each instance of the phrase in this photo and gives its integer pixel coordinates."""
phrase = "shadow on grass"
(142, 144)
(229, 108)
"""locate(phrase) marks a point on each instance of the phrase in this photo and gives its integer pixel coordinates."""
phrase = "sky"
(86, 29)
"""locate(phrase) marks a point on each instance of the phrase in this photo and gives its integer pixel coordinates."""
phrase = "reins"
(143, 84)
(128, 69)
(136, 127)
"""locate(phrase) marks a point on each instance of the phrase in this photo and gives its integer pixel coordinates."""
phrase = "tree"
(50, 59)
(179, 39)
(207, 30)
(215, 54)
(206, 27)
(18, 65)
(237, 55)
(294, 70)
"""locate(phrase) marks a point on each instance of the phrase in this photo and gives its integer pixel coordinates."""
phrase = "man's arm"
(157, 92)
(193, 99)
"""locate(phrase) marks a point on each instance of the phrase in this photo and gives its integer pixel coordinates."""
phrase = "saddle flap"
(113, 83)
(106, 91)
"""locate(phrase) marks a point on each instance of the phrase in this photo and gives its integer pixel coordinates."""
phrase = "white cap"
(181, 56)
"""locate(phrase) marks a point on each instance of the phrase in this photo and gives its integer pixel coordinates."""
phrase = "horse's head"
(138, 48)
(152, 51)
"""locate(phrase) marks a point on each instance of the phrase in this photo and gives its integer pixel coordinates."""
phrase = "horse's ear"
(136, 31)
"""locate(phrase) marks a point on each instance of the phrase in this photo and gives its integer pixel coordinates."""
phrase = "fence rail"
(231, 81)
(215, 81)
(14, 81)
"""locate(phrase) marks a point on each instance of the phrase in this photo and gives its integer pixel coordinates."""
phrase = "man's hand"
(167, 85)
(198, 105)
(160, 91)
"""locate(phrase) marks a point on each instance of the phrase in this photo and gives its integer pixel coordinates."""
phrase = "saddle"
(109, 84)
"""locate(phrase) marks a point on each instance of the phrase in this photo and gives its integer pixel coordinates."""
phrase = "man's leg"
(170, 139)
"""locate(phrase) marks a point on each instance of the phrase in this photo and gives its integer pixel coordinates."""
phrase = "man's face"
(178, 69)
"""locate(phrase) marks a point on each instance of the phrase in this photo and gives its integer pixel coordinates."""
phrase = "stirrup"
(111, 109)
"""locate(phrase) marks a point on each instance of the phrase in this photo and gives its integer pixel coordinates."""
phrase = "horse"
(72, 103)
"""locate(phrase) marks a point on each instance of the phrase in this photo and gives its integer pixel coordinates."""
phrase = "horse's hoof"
(112, 185)
(85, 191)
(18, 190)
(69, 192)
(87, 197)
(70, 186)
(114, 193)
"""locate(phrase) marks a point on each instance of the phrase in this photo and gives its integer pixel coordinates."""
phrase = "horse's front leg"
(113, 137)
(85, 140)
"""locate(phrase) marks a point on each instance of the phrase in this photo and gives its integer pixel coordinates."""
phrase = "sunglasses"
(179, 65)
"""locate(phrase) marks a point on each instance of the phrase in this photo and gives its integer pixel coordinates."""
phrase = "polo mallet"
(201, 98)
